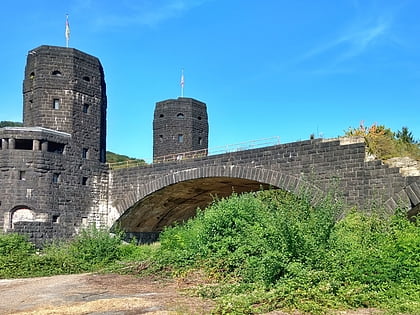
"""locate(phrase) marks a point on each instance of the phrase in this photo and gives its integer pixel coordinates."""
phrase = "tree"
(6, 123)
(405, 136)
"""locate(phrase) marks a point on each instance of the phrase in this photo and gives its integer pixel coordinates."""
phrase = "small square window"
(56, 103)
(55, 218)
(56, 178)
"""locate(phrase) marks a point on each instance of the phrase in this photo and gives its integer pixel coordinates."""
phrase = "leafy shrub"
(15, 253)
(15, 245)
(251, 236)
(94, 248)
(384, 143)
(275, 250)
(374, 250)
(91, 250)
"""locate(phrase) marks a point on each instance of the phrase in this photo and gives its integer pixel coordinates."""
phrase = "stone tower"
(179, 125)
(53, 176)
(64, 90)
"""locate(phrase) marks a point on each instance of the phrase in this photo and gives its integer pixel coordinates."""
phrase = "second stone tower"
(179, 125)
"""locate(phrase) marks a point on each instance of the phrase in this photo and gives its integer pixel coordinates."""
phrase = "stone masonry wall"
(326, 164)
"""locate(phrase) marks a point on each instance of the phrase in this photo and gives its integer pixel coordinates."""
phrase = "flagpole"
(67, 32)
(182, 83)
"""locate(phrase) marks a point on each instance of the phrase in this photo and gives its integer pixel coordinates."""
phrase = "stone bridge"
(145, 199)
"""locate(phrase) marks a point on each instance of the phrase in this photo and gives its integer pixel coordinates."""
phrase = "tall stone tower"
(64, 90)
(53, 179)
(179, 125)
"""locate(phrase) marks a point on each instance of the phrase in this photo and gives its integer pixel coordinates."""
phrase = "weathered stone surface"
(54, 165)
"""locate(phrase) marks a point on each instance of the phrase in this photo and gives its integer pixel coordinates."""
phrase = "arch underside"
(179, 202)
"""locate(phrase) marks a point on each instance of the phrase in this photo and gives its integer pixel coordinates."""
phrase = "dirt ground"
(97, 294)
(108, 294)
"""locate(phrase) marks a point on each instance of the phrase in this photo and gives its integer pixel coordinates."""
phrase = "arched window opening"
(56, 73)
(25, 214)
(180, 115)
(86, 78)
(32, 75)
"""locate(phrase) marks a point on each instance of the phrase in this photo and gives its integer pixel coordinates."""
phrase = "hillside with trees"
(6, 123)
(385, 144)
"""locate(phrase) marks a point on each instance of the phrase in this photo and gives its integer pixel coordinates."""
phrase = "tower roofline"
(67, 50)
(183, 99)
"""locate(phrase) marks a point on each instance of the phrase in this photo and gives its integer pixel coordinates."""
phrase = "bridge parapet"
(201, 153)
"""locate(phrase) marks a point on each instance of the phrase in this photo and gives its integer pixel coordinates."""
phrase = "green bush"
(91, 250)
(94, 248)
(274, 250)
(373, 250)
(251, 236)
(15, 253)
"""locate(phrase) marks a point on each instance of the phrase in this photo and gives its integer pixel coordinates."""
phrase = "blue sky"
(263, 67)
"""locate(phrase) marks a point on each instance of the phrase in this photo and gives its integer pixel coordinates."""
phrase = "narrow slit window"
(22, 175)
(86, 108)
(56, 103)
(84, 181)
(180, 138)
(85, 153)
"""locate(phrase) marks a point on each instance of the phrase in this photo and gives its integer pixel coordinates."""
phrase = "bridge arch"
(175, 197)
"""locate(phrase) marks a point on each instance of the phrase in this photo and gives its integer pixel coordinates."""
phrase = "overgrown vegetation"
(91, 250)
(259, 252)
(118, 158)
(385, 144)
(6, 123)
(272, 250)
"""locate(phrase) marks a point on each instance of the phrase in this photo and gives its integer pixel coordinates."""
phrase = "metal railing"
(242, 146)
